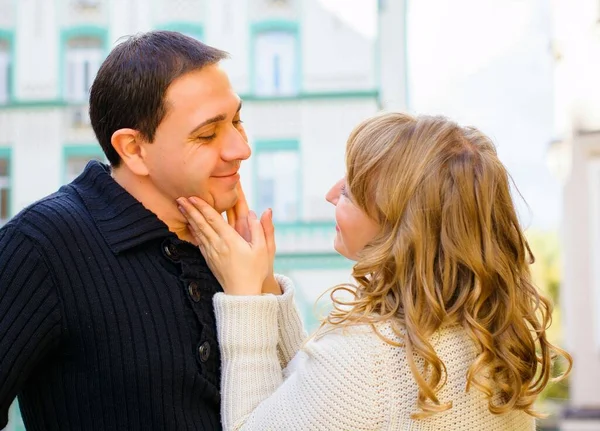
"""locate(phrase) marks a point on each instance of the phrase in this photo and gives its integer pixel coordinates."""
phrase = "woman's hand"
(240, 266)
(237, 217)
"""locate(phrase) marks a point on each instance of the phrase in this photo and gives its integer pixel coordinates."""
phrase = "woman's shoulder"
(372, 359)
(384, 340)
(343, 336)
(356, 343)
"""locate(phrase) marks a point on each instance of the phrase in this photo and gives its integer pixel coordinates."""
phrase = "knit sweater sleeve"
(291, 330)
(30, 317)
(330, 383)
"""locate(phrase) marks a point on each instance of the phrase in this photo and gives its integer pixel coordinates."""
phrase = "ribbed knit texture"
(343, 379)
(290, 329)
(106, 318)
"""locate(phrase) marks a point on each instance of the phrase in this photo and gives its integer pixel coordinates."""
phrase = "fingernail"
(270, 214)
(182, 210)
(193, 200)
(180, 201)
(252, 215)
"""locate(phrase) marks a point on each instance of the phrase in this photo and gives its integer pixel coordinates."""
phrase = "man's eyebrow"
(214, 119)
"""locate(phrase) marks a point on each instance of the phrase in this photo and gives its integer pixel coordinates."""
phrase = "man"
(106, 318)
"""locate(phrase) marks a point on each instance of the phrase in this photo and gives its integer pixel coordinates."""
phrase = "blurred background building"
(303, 91)
(575, 158)
(307, 73)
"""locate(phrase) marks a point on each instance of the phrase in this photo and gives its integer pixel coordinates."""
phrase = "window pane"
(276, 73)
(276, 63)
(3, 204)
(87, 83)
(277, 185)
(4, 73)
(266, 193)
(76, 164)
(83, 59)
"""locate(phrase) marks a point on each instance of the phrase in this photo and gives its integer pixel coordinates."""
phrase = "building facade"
(306, 70)
(575, 157)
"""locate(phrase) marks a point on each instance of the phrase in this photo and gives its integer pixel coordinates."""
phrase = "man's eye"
(237, 122)
(207, 138)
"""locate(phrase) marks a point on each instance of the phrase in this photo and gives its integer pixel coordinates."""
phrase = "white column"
(392, 54)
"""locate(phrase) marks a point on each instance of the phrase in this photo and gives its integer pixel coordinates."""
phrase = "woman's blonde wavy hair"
(450, 251)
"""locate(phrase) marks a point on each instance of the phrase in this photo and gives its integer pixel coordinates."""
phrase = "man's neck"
(164, 208)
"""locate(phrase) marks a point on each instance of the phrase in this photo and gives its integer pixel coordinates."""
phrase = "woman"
(445, 330)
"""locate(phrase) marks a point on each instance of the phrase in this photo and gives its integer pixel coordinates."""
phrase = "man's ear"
(129, 144)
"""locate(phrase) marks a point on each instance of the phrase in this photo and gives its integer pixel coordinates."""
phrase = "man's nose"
(236, 148)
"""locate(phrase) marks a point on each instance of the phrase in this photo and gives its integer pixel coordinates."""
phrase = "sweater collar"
(122, 220)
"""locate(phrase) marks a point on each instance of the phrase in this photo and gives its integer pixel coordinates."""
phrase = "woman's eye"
(344, 191)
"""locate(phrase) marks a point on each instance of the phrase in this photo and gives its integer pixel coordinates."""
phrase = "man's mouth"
(226, 175)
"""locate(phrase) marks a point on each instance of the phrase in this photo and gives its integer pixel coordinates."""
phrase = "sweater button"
(204, 351)
(194, 291)
(171, 251)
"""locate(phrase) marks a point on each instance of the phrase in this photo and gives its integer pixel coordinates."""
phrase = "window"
(4, 71)
(4, 189)
(76, 164)
(76, 157)
(83, 59)
(277, 179)
(276, 66)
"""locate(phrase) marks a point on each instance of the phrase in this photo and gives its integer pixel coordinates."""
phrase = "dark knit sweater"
(106, 318)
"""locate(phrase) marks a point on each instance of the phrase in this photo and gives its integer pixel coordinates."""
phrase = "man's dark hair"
(129, 89)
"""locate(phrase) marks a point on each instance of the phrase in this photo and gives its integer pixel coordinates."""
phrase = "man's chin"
(226, 201)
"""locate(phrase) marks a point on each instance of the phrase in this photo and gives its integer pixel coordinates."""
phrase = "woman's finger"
(211, 217)
(231, 218)
(240, 209)
(239, 224)
(241, 206)
(199, 222)
(266, 220)
(256, 231)
(218, 225)
(237, 217)
(193, 227)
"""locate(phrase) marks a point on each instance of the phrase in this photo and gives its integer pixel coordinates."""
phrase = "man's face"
(200, 143)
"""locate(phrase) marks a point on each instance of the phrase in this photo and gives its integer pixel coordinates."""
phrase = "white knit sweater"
(346, 379)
